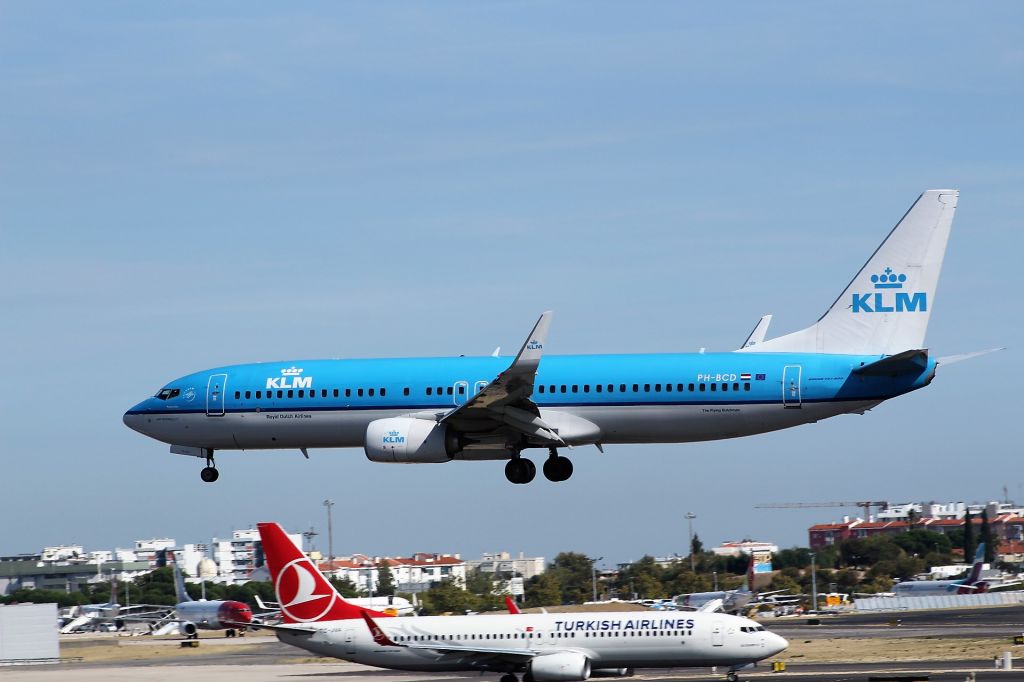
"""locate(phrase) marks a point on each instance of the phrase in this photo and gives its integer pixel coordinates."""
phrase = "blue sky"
(195, 184)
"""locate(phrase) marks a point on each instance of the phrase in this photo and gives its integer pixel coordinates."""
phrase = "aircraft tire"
(558, 469)
(209, 474)
(530, 470)
(508, 677)
(520, 471)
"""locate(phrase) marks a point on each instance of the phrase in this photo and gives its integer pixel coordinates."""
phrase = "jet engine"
(612, 672)
(566, 666)
(187, 628)
(404, 440)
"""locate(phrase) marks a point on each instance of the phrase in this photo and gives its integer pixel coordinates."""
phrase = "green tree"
(696, 546)
(795, 557)
(643, 578)
(574, 573)
(987, 538)
(543, 590)
(385, 580)
(970, 544)
(447, 597)
(920, 542)
(345, 587)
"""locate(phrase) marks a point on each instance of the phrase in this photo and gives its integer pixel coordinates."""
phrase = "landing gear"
(732, 677)
(508, 677)
(557, 468)
(230, 632)
(209, 472)
(519, 470)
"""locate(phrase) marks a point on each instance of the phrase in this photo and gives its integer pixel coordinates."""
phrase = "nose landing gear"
(209, 474)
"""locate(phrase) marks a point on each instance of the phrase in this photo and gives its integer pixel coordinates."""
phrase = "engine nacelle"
(566, 666)
(187, 628)
(404, 440)
(612, 672)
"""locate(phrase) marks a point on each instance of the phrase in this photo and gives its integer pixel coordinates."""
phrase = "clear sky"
(187, 185)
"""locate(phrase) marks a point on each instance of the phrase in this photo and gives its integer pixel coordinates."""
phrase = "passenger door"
(791, 386)
(215, 392)
(717, 635)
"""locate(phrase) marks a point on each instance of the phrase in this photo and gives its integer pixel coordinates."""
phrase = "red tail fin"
(511, 604)
(304, 593)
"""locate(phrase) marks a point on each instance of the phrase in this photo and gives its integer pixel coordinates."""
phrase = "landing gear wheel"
(557, 468)
(519, 470)
(209, 474)
(732, 677)
(508, 677)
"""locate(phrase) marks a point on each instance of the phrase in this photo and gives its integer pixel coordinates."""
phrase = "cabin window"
(237, 395)
(291, 393)
(599, 388)
(430, 390)
(714, 387)
(668, 388)
(746, 386)
(348, 392)
(725, 387)
(551, 388)
(702, 388)
(575, 388)
(383, 391)
(451, 390)
(647, 388)
(335, 393)
(540, 389)
(168, 393)
(248, 394)
(735, 387)
(462, 389)
(259, 394)
(369, 392)
(657, 388)
(586, 388)
(359, 392)
(323, 392)
(636, 388)
(279, 393)
(302, 393)
(405, 391)
(622, 388)
(563, 388)
(611, 388)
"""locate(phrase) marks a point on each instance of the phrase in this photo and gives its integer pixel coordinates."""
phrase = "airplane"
(544, 647)
(189, 616)
(929, 588)
(728, 601)
(88, 616)
(867, 348)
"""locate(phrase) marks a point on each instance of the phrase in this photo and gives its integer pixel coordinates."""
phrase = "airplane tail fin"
(303, 592)
(979, 561)
(180, 593)
(885, 308)
(749, 585)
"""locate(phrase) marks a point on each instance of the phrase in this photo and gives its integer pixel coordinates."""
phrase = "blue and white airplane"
(868, 347)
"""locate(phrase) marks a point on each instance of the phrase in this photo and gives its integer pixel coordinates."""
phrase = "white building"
(502, 564)
(410, 574)
(739, 547)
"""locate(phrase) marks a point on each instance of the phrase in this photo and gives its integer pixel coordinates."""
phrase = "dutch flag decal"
(745, 377)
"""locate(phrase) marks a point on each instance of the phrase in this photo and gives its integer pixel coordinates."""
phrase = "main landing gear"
(209, 473)
(556, 469)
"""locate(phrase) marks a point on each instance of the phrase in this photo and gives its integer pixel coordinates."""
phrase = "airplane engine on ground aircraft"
(403, 440)
(565, 666)
(612, 672)
(188, 628)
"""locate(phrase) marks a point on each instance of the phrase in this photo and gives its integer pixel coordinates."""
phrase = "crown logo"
(291, 372)
(888, 280)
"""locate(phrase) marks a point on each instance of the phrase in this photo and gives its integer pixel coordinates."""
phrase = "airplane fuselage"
(663, 398)
(621, 640)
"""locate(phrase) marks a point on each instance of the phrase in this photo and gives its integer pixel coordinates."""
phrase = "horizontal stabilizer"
(760, 330)
(907, 362)
(953, 359)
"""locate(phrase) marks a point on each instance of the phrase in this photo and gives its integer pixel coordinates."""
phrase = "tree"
(696, 546)
(344, 586)
(970, 546)
(986, 538)
(574, 573)
(447, 597)
(543, 590)
(385, 581)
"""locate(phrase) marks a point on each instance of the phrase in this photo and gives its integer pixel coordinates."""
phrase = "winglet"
(533, 348)
(379, 637)
(511, 605)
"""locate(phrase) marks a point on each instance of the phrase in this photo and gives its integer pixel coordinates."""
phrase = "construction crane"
(865, 505)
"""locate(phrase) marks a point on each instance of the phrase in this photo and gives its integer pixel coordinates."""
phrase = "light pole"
(330, 534)
(593, 574)
(814, 584)
(690, 516)
(308, 536)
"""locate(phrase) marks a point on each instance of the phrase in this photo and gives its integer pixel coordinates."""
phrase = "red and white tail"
(304, 593)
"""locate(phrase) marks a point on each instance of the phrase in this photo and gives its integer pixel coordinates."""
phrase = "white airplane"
(867, 348)
(388, 604)
(544, 647)
(929, 588)
(729, 601)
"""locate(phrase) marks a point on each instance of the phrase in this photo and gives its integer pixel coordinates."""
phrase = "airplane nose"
(776, 643)
(134, 419)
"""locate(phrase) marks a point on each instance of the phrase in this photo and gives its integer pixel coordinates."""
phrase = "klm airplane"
(866, 348)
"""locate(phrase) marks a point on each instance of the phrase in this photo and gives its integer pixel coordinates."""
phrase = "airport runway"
(260, 657)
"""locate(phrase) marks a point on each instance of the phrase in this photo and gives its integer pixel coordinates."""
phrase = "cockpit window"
(168, 393)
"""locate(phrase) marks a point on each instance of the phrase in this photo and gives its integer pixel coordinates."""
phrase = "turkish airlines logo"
(296, 589)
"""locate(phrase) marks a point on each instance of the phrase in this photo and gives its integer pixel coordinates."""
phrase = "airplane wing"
(505, 402)
(713, 605)
(282, 628)
(511, 655)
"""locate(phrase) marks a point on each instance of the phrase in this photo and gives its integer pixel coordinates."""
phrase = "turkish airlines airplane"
(868, 347)
(930, 588)
(544, 647)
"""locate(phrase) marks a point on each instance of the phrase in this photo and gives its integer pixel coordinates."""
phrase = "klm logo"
(533, 345)
(887, 298)
(394, 438)
(290, 378)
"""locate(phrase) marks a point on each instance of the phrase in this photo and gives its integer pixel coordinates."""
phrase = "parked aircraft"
(545, 647)
(868, 347)
(972, 584)
(729, 601)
